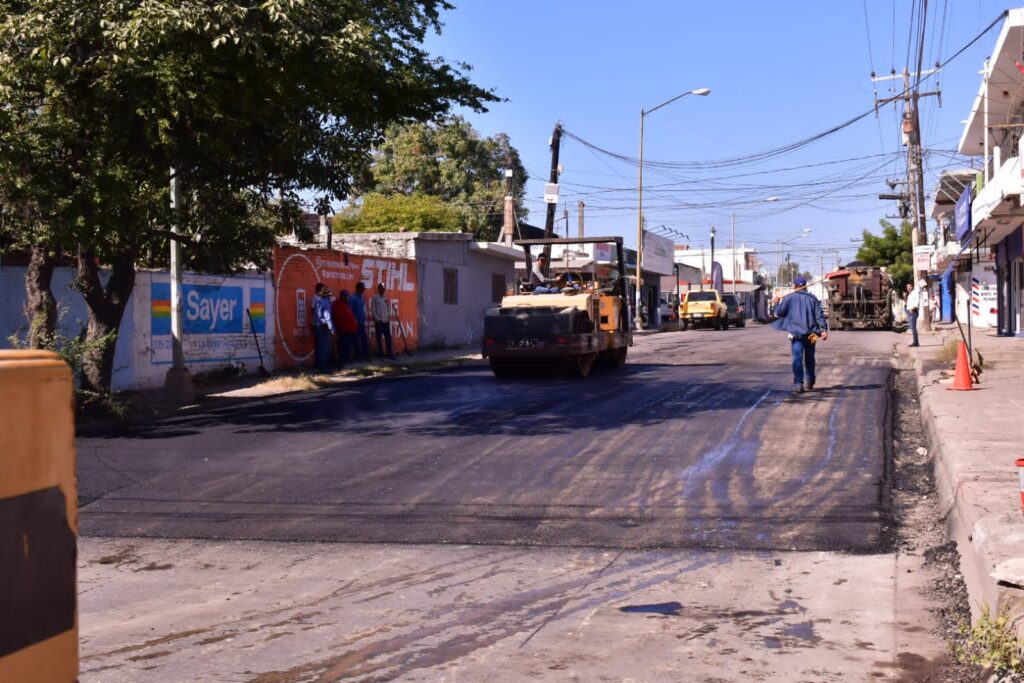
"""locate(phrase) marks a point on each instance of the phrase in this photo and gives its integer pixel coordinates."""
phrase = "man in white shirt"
(380, 313)
(915, 297)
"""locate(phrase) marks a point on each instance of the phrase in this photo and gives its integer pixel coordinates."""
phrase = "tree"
(399, 213)
(101, 99)
(449, 160)
(892, 249)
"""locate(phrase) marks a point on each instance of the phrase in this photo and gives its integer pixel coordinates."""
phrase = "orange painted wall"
(296, 272)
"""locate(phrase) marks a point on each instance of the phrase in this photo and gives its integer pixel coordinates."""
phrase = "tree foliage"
(449, 160)
(892, 249)
(249, 102)
(399, 213)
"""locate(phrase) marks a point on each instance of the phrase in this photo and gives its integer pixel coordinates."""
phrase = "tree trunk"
(40, 304)
(106, 306)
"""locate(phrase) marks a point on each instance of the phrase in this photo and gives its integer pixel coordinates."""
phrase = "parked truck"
(704, 308)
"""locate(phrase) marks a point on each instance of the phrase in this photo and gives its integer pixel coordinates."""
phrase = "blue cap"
(799, 281)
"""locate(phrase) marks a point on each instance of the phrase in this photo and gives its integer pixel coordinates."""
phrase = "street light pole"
(638, 323)
(712, 257)
(640, 198)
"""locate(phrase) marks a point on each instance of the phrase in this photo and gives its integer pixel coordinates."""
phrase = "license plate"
(698, 315)
(522, 343)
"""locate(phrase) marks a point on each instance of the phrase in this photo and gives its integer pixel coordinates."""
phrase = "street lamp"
(640, 196)
(778, 260)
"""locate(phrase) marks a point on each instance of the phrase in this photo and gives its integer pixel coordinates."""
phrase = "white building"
(739, 264)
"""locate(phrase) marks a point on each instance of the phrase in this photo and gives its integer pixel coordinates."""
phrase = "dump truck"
(586, 321)
(860, 297)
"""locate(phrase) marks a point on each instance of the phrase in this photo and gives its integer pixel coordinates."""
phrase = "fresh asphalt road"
(683, 519)
(697, 442)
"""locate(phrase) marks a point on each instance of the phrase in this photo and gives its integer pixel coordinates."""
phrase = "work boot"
(798, 388)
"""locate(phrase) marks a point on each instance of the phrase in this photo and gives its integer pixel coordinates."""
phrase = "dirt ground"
(919, 530)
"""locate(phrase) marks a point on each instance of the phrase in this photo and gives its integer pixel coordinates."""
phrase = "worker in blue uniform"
(800, 314)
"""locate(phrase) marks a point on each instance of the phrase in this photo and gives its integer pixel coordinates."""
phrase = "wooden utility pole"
(911, 130)
(556, 141)
(508, 228)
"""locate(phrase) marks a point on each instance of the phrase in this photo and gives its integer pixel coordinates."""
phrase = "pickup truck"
(703, 308)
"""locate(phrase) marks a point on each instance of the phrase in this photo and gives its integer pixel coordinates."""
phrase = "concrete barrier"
(38, 519)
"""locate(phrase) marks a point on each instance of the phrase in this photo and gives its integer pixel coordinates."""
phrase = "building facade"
(988, 218)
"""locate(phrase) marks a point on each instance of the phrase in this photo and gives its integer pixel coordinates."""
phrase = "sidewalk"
(976, 436)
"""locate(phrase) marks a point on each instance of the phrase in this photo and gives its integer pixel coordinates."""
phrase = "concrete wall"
(217, 328)
(73, 315)
(141, 358)
(441, 323)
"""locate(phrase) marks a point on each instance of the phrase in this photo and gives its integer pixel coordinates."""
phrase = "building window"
(451, 285)
(497, 287)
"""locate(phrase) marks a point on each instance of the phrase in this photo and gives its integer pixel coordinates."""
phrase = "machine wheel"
(684, 325)
(717, 324)
(725, 323)
(582, 364)
(502, 368)
(619, 356)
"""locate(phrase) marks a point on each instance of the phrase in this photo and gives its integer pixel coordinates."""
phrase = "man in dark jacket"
(801, 316)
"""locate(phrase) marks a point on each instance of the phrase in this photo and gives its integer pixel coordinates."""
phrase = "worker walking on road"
(380, 312)
(800, 315)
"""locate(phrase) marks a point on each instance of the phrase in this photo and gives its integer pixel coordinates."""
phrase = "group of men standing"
(344, 319)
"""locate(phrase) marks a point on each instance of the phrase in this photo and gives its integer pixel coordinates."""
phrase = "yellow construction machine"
(586, 319)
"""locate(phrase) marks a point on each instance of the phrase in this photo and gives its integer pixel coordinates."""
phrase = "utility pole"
(549, 225)
(508, 228)
(565, 216)
(911, 130)
(734, 267)
(178, 381)
(580, 217)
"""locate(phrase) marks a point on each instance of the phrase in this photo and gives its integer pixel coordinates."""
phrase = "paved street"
(686, 518)
(698, 442)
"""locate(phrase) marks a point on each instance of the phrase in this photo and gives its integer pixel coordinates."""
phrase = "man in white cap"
(380, 313)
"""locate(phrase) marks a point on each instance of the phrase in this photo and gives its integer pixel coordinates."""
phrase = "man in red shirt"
(345, 324)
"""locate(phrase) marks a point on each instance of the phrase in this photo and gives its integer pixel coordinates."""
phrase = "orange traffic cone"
(962, 378)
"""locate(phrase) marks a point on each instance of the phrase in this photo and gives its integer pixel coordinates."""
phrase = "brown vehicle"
(586, 321)
(860, 297)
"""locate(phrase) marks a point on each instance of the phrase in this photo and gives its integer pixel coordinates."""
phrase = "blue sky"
(779, 72)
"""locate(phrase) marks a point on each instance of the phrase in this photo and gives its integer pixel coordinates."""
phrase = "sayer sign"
(297, 271)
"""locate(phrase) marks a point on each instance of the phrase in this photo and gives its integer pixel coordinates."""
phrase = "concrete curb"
(978, 496)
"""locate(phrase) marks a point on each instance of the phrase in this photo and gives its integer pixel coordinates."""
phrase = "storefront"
(1009, 267)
